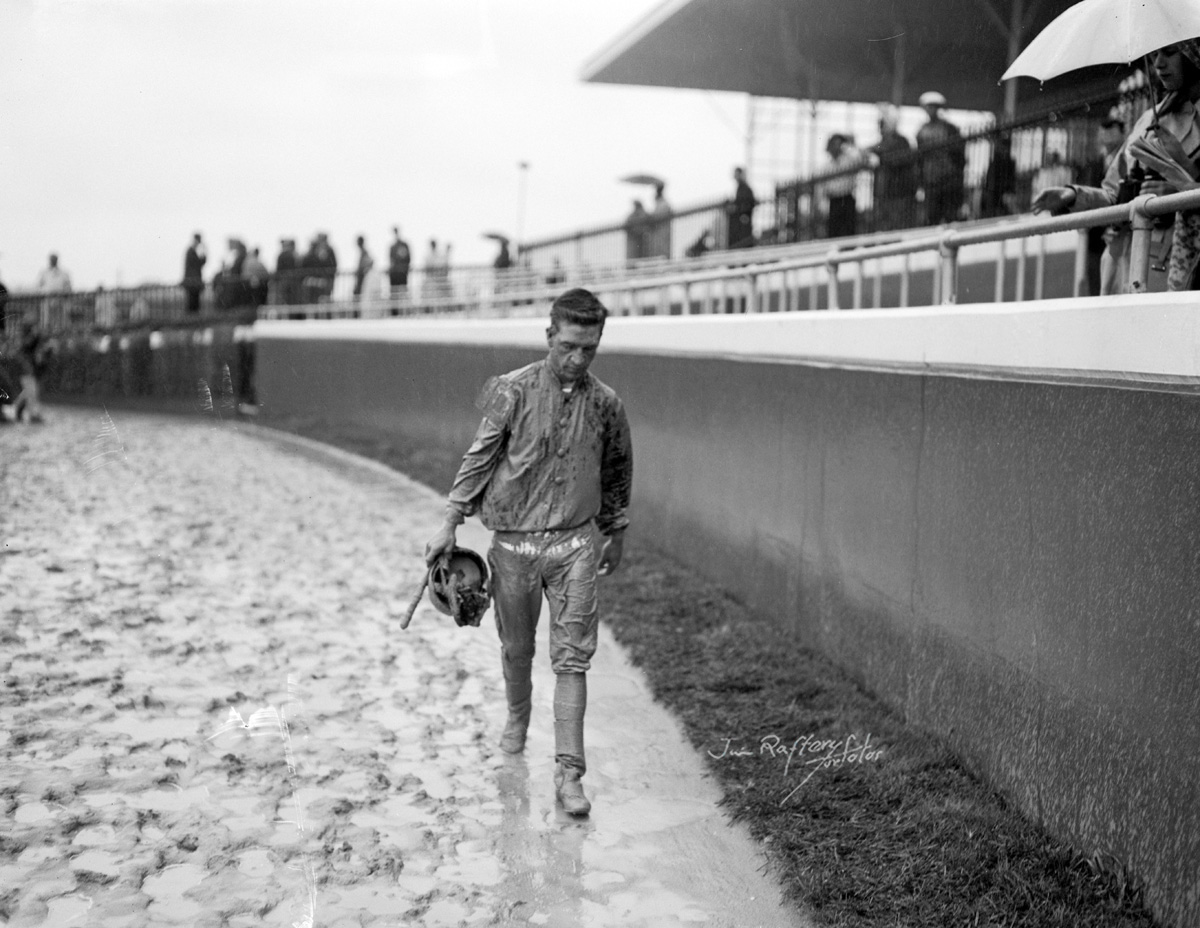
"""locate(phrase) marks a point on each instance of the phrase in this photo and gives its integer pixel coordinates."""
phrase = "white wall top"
(1148, 342)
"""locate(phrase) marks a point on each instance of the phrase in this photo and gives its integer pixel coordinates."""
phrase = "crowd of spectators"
(300, 278)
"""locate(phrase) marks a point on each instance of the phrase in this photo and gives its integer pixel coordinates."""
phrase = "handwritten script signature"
(805, 752)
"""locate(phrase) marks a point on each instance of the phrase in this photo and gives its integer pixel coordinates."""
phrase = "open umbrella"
(648, 179)
(1105, 32)
(496, 236)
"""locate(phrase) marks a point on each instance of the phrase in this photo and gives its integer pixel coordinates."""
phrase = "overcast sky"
(129, 124)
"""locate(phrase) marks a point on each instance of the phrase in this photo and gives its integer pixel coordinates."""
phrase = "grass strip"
(864, 820)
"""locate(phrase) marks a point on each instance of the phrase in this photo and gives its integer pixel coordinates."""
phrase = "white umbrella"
(1106, 32)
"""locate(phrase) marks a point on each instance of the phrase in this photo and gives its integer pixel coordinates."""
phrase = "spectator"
(9, 388)
(637, 233)
(139, 309)
(33, 357)
(257, 278)
(998, 196)
(399, 258)
(365, 263)
(437, 272)
(229, 289)
(54, 281)
(432, 260)
(503, 259)
(843, 210)
(740, 211)
(660, 229)
(320, 269)
(193, 273)
(287, 273)
(1100, 265)
(1159, 157)
(105, 308)
(235, 257)
(943, 156)
(895, 173)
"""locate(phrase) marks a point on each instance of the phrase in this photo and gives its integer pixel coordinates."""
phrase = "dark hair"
(1191, 71)
(578, 307)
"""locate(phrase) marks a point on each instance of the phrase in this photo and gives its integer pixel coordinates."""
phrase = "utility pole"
(523, 169)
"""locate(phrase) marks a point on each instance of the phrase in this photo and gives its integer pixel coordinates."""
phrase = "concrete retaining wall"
(185, 368)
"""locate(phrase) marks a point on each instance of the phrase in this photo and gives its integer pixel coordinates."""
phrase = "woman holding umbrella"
(1161, 155)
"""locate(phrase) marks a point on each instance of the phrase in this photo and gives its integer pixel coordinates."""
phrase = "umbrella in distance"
(497, 236)
(648, 180)
(1105, 32)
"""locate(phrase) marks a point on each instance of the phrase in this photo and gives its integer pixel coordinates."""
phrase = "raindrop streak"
(107, 445)
(228, 400)
(206, 403)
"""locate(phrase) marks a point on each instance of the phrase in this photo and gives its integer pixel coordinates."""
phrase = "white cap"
(931, 98)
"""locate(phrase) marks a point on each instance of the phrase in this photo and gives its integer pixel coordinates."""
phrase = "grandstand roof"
(855, 50)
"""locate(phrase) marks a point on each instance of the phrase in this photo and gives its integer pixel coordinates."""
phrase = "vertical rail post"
(1039, 265)
(1001, 266)
(1139, 249)
(948, 253)
(1081, 257)
(831, 280)
(1021, 253)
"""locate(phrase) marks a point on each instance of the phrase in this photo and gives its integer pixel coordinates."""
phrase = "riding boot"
(520, 704)
(570, 701)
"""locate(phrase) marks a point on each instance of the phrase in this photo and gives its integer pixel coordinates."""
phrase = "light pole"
(523, 168)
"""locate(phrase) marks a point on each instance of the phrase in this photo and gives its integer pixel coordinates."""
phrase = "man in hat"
(399, 260)
(1110, 136)
(54, 282)
(193, 272)
(943, 156)
(287, 273)
(551, 465)
(895, 173)
(740, 211)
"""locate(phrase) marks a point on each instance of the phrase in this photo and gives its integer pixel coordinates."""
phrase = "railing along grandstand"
(792, 277)
(770, 279)
(797, 210)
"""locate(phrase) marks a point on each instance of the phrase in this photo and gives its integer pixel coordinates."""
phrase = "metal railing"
(749, 288)
(770, 279)
(809, 275)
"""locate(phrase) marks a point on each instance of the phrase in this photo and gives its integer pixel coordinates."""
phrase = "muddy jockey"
(551, 463)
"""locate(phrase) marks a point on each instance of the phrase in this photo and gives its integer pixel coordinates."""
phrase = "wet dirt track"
(210, 715)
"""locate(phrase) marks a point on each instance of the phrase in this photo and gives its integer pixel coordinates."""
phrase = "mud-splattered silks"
(547, 458)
